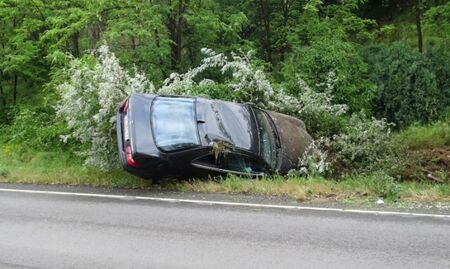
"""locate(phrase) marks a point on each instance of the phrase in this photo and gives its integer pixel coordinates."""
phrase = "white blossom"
(89, 100)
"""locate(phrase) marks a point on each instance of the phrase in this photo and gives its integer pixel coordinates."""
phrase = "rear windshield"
(173, 122)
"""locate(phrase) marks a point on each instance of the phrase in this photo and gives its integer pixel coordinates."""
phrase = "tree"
(437, 21)
(21, 58)
(322, 46)
(413, 10)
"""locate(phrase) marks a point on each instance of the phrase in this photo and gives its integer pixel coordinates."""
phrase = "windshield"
(267, 139)
(173, 122)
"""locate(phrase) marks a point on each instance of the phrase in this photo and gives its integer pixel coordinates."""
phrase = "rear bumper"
(147, 166)
(121, 149)
(121, 143)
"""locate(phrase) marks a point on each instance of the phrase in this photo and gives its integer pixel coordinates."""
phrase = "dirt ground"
(432, 164)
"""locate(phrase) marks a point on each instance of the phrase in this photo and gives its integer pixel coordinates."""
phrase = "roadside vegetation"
(44, 169)
(370, 80)
(67, 169)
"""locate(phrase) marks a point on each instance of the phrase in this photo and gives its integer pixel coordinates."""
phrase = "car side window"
(233, 162)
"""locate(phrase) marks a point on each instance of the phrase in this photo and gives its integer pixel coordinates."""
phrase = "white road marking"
(236, 204)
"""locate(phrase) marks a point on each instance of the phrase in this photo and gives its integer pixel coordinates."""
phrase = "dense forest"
(386, 59)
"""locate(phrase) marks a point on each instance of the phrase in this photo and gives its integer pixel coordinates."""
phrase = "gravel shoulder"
(441, 208)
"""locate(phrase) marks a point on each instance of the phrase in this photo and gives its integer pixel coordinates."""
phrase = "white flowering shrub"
(89, 99)
(366, 147)
(315, 161)
(250, 84)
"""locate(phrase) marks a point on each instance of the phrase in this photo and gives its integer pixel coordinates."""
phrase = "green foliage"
(34, 128)
(3, 172)
(426, 136)
(313, 63)
(136, 33)
(325, 124)
(438, 55)
(437, 21)
(209, 28)
(323, 43)
(407, 87)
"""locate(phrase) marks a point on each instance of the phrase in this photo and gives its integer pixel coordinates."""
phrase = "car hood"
(226, 121)
(294, 140)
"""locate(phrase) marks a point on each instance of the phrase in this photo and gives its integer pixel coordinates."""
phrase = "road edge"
(225, 203)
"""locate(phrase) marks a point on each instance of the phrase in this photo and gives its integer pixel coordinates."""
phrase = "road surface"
(40, 230)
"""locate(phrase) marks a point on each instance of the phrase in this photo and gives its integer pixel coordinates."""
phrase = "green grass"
(310, 189)
(64, 168)
(60, 168)
(431, 136)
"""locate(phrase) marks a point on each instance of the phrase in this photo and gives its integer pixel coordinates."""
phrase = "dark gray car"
(184, 137)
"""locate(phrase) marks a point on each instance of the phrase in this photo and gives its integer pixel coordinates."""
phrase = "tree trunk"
(157, 40)
(173, 45)
(419, 25)
(286, 8)
(264, 15)
(179, 29)
(133, 46)
(158, 45)
(95, 33)
(75, 44)
(175, 27)
(15, 89)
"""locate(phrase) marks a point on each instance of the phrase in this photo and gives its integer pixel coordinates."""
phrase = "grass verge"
(427, 136)
(63, 168)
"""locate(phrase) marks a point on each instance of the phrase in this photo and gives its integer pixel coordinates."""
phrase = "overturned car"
(184, 137)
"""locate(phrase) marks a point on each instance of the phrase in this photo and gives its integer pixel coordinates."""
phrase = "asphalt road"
(56, 231)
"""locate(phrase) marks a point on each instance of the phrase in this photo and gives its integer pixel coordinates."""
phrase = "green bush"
(439, 57)
(4, 172)
(34, 128)
(427, 136)
(389, 189)
(408, 89)
(325, 125)
(5, 114)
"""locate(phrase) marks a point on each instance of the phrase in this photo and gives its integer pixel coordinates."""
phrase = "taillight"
(131, 162)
